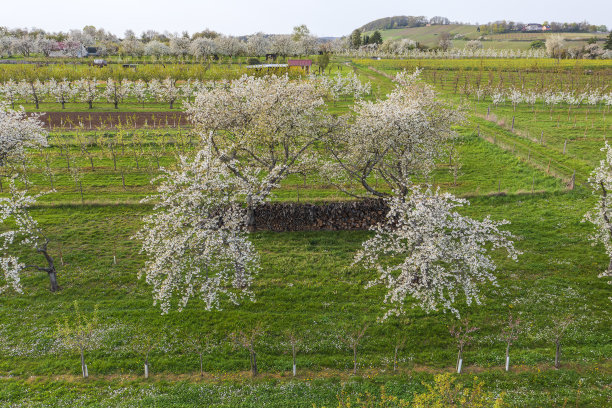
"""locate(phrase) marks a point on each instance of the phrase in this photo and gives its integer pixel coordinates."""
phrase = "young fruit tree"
(561, 327)
(26, 234)
(199, 341)
(116, 91)
(62, 91)
(395, 139)
(87, 90)
(248, 340)
(509, 334)
(195, 240)
(295, 340)
(400, 342)
(351, 338)
(262, 130)
(601, 214)
(428, 251)
(80, 332)
(462, 334)
(143, 341)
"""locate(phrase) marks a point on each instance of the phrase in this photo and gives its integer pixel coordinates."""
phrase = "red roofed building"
(305, 63)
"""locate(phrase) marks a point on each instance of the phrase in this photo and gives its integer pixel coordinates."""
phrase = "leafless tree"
(509, 334)
(248, 339)
(351, 339)
(462, 333)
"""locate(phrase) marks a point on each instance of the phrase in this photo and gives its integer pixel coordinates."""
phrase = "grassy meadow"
(307, 284)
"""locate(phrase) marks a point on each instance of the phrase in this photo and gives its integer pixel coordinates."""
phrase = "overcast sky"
(323, 17)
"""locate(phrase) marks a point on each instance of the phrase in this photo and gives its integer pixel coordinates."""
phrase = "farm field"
(527, 162)
(429, 36)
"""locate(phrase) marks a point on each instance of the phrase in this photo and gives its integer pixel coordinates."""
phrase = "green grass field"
(307, 282)
(429, 36)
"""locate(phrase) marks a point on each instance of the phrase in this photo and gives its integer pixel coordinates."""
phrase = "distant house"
(533, 27)
(92, 51)
(304, 64)
(69, 49)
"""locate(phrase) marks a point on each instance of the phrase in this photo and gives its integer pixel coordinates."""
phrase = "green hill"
(428, 36)
(388, 23)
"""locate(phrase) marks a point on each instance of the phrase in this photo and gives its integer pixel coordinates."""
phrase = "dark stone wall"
(346, 215)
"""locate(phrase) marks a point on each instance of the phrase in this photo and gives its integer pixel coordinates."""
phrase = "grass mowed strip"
(306, 282)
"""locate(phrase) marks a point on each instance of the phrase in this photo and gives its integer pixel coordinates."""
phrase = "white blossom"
(397, 138)
(25, 233)
(17, 131)
(601, 214)
(195, 239)
(428, 251)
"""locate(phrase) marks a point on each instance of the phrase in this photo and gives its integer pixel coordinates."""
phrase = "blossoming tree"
(601, 214)
(17, 131)
(428, 251)
(26, 233)
(195, 239)
(394, 139)
(262, 129)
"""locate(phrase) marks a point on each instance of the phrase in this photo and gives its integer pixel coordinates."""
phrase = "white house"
(69, 50)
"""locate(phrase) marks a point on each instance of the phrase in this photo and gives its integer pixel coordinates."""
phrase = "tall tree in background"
(608, 44)
(555, 45)
(376, 38)
(355, 39)
(299, 32)
(323, 61)
(445, 41)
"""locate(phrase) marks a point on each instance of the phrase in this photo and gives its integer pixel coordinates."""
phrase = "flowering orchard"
(152, 227)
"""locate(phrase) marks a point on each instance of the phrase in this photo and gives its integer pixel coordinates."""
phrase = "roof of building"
(300, 63)
(268, 66)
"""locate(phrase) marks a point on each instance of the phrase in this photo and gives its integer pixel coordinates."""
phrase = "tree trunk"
(83, 368)
(63, 105)
(250, 215)
(53, 280)
(395, 360)
(355, 359)
(146, 366)
(459, 361)
(116, 104)
(201, 366)
(507, 356)
(254, 359)
(90, 104)
(557, 354)
(294, 364)
(51, 272)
